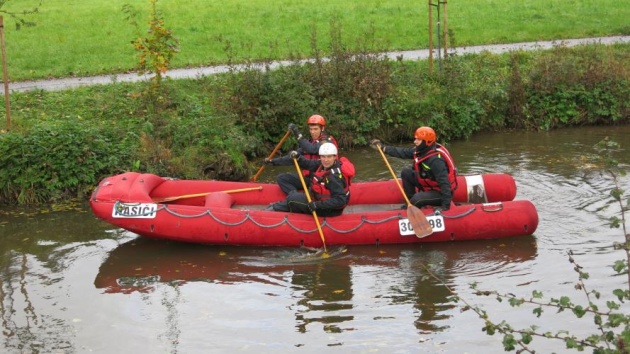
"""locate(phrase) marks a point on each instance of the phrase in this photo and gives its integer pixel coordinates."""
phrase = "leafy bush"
(586, 85)
(58, 160)
(347, 88)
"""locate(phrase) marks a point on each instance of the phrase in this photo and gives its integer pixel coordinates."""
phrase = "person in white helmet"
(328, 182)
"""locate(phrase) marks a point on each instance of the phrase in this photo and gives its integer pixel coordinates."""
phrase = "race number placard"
(436, 222)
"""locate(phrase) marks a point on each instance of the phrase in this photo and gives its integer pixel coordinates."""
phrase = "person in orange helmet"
(432, 178)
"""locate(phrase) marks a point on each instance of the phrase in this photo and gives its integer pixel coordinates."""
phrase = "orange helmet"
(427, 134)
(316, 119)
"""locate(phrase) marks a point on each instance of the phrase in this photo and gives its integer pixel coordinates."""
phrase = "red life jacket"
(322, 137)
(343, 168)
(440, 152)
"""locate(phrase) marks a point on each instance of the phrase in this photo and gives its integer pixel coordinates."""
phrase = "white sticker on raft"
(134, 210)
(436, 222)
(476, 189)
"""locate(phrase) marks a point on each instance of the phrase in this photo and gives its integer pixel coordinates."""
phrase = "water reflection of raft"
(141, 264)
(231, 213)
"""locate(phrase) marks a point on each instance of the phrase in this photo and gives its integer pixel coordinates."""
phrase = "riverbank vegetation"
(61, 143)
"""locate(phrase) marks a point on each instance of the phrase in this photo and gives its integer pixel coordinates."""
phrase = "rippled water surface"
(72, 284)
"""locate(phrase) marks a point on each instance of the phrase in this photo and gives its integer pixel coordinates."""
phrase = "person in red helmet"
(432, 178)
(307, 148)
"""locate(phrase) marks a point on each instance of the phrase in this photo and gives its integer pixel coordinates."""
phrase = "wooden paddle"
(170, 199)
(308, 198)
(419, 222)
(273, 153)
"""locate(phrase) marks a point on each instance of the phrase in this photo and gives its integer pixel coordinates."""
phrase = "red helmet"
(427, 134)
(316, 119)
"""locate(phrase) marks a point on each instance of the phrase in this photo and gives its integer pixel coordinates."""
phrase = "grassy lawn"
(87, 37)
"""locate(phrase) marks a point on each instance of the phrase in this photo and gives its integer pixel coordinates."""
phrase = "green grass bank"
(88, 37)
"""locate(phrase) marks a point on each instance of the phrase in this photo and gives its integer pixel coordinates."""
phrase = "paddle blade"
(419, 222)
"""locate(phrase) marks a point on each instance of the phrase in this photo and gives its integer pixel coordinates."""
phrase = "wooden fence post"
(5, 75)
(441, 32)
(430, 36)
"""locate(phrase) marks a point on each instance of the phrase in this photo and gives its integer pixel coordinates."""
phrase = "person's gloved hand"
(294, 129)
(312, 206)
(268, 161)
(294, 154)
(376, 143)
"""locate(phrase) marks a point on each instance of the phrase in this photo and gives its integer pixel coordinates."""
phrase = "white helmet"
(327, 149)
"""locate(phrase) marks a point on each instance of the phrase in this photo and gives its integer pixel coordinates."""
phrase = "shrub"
(586, 85)
(58, 160)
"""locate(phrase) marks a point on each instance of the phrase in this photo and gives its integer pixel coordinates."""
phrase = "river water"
(72, 284)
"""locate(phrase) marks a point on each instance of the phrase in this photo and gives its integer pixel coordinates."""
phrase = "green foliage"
(57, 160)
(347, 88)
(365, 95)
(113, 123)
(157, 48)
(583, 86)
(20, 16)
(206, 147)
(264, 102)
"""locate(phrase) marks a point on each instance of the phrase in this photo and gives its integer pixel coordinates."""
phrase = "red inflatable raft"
(231, 213)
